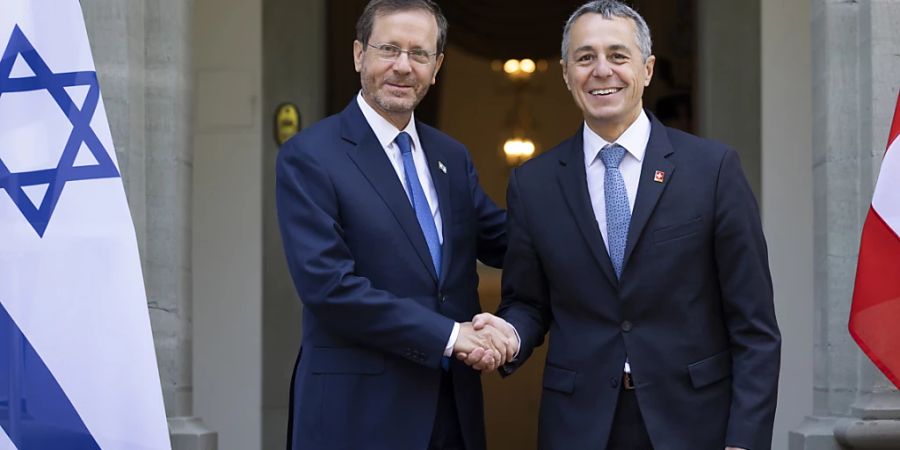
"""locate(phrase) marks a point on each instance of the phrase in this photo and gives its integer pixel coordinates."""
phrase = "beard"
(381, 96)
(394, 104)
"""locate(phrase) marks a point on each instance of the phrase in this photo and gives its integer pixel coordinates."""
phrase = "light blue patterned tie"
(419, 202)
(618, 214)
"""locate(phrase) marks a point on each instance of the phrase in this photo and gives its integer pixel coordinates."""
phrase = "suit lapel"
(374, 164)
(649, 190)
(573, 179)
(440, 179)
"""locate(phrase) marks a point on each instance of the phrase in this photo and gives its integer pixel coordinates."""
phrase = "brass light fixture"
(518, 142)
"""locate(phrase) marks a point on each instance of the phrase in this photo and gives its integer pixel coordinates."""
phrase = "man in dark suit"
(382, 219)
(639, 249)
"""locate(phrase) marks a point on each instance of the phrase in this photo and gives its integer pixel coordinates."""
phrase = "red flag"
(875, 314)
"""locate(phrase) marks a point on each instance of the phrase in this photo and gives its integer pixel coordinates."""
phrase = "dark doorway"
(471, 101)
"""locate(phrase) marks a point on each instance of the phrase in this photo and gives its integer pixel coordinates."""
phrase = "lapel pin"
(659, 177)
(442, 167)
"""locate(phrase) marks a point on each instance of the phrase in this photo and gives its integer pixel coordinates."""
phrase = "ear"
(565, 74)
(358, 55)
(437, 67)
(648, 68)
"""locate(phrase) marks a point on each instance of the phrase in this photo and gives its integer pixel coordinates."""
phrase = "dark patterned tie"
(618, 214)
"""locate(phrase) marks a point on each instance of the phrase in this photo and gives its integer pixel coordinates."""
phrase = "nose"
(602, 69)
(402, 64)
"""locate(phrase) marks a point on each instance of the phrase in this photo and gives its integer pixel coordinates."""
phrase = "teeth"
(604, 91)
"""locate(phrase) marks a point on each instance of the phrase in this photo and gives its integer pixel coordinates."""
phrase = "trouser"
(628, 429)
(447, 433)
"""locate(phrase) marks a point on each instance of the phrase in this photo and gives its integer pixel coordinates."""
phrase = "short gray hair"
(384, 7)
(609, 9)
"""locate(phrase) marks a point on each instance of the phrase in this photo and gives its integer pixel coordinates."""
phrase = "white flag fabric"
(77, 363)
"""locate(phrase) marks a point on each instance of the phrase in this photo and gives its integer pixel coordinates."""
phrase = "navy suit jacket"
(693, 310)
(376, 316)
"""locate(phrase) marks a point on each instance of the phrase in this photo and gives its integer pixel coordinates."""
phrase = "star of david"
(82, 135)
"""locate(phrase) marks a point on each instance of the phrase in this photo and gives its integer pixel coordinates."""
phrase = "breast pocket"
(678, 231)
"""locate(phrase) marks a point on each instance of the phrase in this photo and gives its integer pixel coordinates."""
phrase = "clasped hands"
(486, 343)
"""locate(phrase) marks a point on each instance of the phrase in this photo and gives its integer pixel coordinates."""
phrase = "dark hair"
(609, 9)
(382, 7)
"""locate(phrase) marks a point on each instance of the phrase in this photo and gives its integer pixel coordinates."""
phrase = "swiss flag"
(875, 314)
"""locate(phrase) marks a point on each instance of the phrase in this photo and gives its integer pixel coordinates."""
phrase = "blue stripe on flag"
(34, 410)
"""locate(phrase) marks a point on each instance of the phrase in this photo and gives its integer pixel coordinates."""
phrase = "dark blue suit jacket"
(693, 310)
(376, 316)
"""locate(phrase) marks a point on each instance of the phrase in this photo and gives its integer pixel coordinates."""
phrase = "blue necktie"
(419, 202)
(618, 214)
(423, 211)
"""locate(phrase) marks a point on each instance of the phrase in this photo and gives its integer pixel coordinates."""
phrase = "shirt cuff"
(448, 350)
(518, 342)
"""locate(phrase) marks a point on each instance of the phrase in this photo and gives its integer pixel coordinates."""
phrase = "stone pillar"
(141, 51)
(116, 32)
(787, 197)
(227, 216)
(294, 66)
(855, 67)
(168, 159)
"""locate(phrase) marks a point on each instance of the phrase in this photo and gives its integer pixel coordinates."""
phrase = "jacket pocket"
(345, 360)
(710, 370)
(680, 230)
(559, 379)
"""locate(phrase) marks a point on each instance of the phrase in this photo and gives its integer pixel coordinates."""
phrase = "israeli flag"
(77, 362)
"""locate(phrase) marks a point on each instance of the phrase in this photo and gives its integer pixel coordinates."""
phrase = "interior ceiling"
(503, 29)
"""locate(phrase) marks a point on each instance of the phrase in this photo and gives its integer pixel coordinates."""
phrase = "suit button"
(626, 326)
(613, 382)
(443, 298)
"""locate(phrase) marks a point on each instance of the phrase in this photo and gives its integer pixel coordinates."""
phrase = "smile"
(604, 91)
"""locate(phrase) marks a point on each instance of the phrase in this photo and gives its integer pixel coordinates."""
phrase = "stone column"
(875, 412)
(787, 197)
(294, 66)
(855, 67)
(169, 161)
(141, 51)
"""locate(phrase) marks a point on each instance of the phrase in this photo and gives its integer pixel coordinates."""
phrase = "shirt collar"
(384, 130)
(634, 139)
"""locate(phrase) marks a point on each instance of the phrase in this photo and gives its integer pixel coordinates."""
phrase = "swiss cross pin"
(442, 167)
(659, 177)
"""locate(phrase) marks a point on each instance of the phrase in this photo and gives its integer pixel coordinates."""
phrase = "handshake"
(486, 343)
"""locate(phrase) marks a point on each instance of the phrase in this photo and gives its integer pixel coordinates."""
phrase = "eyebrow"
(619, 48)
(613, 48)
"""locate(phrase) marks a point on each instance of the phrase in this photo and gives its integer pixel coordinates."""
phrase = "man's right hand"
(482, 349)
(502, 338)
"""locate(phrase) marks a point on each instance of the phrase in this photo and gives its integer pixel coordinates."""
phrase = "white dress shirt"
(634, 140)
(386, 133)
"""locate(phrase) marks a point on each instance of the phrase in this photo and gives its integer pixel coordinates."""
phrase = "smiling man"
(639, 249)
(382, 220)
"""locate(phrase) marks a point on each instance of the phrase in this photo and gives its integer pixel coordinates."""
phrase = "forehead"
(594, 31)
(410, 28)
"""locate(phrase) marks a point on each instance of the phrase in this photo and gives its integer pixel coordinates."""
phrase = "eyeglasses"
(390, 52)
